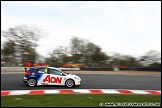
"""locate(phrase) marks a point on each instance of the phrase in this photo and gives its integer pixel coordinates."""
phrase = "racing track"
(90, 81)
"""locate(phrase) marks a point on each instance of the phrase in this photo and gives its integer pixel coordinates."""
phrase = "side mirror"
(62, 74)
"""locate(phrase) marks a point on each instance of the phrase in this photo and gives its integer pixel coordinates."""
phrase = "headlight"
(77, 78)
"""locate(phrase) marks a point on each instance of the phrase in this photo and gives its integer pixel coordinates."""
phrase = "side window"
(55, 72)
(44, 70)
(40, 69)
(51, 71)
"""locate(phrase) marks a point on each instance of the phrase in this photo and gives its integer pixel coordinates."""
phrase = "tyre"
(32, 82)
(69, 83)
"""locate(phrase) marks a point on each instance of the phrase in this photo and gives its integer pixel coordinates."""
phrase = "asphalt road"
(90, 81)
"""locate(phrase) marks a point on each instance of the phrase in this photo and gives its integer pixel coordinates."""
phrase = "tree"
(8, 52)
(151, 57)
(39, 58)
(8, 48)
(57, 57)
(77, 48)
(99, 58)
(119, 60)
(86, 52)
(25, 38)
(127, 60)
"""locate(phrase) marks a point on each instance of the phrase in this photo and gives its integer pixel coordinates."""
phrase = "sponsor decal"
(33, 75)
(52, 79)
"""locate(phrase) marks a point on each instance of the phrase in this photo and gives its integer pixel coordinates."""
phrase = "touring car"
(36, 76)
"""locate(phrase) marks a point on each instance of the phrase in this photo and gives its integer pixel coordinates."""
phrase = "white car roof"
(48, 67)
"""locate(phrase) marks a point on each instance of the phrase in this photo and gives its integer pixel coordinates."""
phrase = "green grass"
(74, 100)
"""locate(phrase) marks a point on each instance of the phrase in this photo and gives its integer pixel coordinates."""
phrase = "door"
(54, 77)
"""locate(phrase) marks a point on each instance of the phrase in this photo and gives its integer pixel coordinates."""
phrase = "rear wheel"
(32, 82)
(69, 83)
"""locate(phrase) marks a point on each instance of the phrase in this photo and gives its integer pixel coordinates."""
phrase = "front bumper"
(78, 82)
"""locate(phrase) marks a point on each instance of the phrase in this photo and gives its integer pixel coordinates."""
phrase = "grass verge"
(80, 100)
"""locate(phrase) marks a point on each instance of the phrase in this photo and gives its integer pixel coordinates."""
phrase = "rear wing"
(25, 69)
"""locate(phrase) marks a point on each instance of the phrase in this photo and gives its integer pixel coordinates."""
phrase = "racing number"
(52, 79)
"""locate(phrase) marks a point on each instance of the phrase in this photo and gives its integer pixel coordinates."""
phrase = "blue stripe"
(39, 77)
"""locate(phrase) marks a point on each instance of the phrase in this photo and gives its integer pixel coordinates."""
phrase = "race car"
(44, 75)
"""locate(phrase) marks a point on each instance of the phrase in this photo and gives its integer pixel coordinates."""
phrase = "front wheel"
(32, 82)
(69, 83)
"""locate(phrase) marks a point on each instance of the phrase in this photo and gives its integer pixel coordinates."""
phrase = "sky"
(126, 27)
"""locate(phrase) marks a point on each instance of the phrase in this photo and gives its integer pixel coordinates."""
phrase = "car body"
(44, 75)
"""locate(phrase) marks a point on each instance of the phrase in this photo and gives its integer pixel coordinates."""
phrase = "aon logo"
(52, 79)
